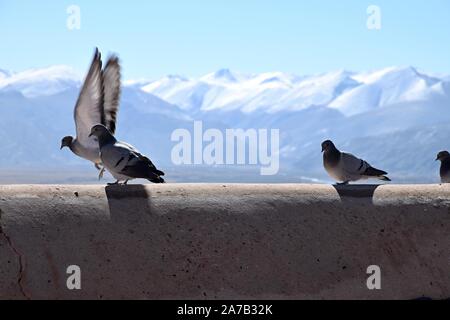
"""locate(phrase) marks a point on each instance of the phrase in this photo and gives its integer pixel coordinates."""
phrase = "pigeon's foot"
(100, 174)
(97, 166)
(117, 183)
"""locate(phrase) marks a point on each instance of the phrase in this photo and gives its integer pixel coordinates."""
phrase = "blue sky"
(154, 38)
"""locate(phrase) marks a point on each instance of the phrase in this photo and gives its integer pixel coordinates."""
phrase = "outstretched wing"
(111, 92)
(89, 108)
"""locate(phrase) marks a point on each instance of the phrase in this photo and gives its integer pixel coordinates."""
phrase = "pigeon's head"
(442, 155)
(327, 145)
(99, 130)
(66, 142)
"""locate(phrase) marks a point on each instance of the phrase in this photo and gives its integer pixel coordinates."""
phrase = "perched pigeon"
(346, 167)
(122, 160)
(444, 157)
(98, 102)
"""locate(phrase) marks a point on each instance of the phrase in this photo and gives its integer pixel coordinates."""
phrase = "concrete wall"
(204, 241)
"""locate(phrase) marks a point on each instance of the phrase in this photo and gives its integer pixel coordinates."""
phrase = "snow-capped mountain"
(350, 93)
(3, 74)
(397, 117)
(38, 82)
(387, 87)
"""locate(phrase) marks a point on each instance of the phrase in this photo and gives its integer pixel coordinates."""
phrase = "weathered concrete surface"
(224, 241)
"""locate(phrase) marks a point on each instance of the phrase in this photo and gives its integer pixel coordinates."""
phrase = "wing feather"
(353, 165)
(89, 107)
(137, 159)
(111, 89)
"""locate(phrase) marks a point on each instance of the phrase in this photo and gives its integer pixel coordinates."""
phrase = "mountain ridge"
(366, 113)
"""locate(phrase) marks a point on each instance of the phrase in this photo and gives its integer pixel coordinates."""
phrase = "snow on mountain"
(350, 93)
(316, 90)
(221, 76)
(386, 87)
(3, 75)
(177, 90)
(388, 114)
(36, 82)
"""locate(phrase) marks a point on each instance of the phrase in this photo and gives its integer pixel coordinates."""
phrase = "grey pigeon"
(444, 171)
(345, 167)
(98, 102)
(122, 160)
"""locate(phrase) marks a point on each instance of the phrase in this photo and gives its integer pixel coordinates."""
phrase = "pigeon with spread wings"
(98, 102)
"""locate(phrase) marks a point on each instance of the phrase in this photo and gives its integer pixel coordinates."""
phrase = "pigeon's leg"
(100, 174)
(114, 183)
(343, 183)
(97, 166)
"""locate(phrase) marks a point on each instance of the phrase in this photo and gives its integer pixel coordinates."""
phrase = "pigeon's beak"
(437, 158)
(90, 134)
(323, 149)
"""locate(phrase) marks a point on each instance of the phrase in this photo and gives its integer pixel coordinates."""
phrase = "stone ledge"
(217, 241)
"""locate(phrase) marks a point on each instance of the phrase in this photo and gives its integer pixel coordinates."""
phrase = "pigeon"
(122, 160)
(444, 157)
(98, 102)
(346, 167)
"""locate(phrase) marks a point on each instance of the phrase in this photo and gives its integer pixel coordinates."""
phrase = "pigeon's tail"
(155, 176)
(156, 179)
(380, 174)
(373, 172)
